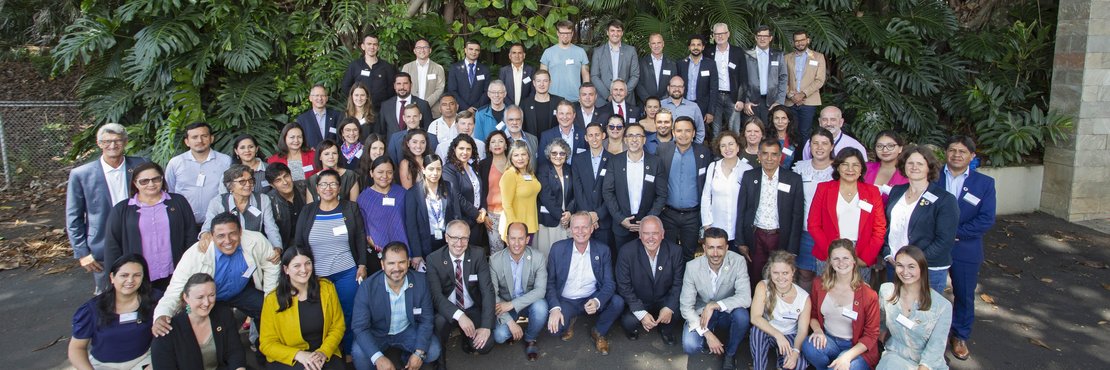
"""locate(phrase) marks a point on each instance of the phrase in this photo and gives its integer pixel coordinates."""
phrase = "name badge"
(787, 152)
(701, 171)
(331, 130)
(631, 120)
(200, 179)
(569, 62)
(579, 150)
(929, 197)
(390, 202)
(731, 65)
(438, 234)
(790, 316)
(307, 168)
(544, 210)
(774, 63)
(970, 198)
(866, 207)
(666, 72)
(250, 271)
(480, 77)
(602, 173)
(850, 314)
(501, 125)
(265, 183)
(905, 321)
(254, 211)
(129, 317)
(472, 277)
(649, 178)
(431, 76)
(526, 80)
(705, 73)
(527, 177)
(885, 189)
(813, 63)
(365, 72)
(417, 310)
(339, 230)
(785, 188)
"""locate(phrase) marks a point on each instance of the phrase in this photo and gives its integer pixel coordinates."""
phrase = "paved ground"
(1048, 280)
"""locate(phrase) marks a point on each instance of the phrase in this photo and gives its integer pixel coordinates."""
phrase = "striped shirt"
(332, 252)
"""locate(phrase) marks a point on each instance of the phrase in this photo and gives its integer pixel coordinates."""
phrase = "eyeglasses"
(763, 36)
(328, 185)
(244, 182)
(145, 182)
(112, 142)
(566, 33)
(458, 238)
(720, 34)
(616, 127)
(886, 147)
(558, 154)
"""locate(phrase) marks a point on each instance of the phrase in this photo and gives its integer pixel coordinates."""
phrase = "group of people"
(447, 198)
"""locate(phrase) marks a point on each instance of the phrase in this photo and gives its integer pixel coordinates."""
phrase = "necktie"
(620, 111)
(470, 73)
(460, 299)
(401, 115)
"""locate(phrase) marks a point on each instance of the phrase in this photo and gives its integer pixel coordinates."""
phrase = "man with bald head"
(649, 278)
(832, 119)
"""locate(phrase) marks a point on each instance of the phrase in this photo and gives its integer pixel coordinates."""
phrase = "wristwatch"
(421, 354)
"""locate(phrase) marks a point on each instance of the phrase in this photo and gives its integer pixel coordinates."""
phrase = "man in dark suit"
(92, 190)
(656, 70)
(375, 73)
(373, 321)
(619, 104)
(462, 291)
(580, 281)
(685, 164)
(392, 111)
(770, 209)
(320, 121)
(467, 79)
(635, 186)
(517, 76)
(649, 278)
(602, 69)
(976, 195)
(700, 77)
(732, 76)
(586, 110)
(571, 133)
(588, 175)
(395, 143)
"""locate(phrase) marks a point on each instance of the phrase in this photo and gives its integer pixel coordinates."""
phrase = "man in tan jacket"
(428, 78)
(806, 74)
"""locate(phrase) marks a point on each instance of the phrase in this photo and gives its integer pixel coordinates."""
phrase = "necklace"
(783, 294)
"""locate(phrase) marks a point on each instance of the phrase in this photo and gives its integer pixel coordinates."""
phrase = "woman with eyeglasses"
(327, 158)
(255, 211)
(614, 135)
(293, 153)
(333, 229)
(429, 207)
(350, 146)
(884, 172)
(246, 153)
(116, 323)
(383, 209)
(153, 223)
(556, 197)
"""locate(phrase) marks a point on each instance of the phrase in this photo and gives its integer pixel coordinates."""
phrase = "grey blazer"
(776, 75)
(88, 203)
(733, 289)
(601, 70)
(535, 276)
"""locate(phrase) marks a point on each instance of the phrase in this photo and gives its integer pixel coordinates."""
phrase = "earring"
(188, 309)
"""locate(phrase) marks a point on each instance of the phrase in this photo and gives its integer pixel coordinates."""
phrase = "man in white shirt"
(444, 126)
(580, 281)
(517, 76)
(428, 78)
(651, 290)
(715, 295)
(614, 61)
(832, 119)
(464, 122)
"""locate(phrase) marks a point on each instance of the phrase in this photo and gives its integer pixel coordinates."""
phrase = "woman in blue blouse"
(117, 322)
(383, 208)
(916, 317)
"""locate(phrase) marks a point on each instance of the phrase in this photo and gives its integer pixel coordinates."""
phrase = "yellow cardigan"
(280, 335)
(518, 198)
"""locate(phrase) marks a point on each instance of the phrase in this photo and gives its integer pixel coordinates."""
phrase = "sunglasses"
(145, 182)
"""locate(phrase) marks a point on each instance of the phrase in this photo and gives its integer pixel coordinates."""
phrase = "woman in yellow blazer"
(302, 322)
(519, 189)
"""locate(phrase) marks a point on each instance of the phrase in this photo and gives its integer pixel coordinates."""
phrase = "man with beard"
(680, 105)
(700, 79)
(715, 296)
(664, 121)
(806, 71)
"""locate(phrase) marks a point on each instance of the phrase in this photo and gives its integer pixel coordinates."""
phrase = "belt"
(724, 92)
(684, 210)
(766, 231)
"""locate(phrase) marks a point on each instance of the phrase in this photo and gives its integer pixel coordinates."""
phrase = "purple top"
(873, 171)
(384, 215)
(154, 227)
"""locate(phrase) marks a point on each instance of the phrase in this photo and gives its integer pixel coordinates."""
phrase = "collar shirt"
(767, 213)
(322, 121)
(116, 178)
(615, 59)
(518, 276)
(398, 315)
(581, 282)
(518, 82)
(657, 64)
(595, 161)
(692, 79)
(197, 181)
(456, 264)
(955, 184)
(587, 117)
(422, 78)
(721, 59)
(763, 59)
(636, 178)
(800, 59)
(568, 137)
(683, 181)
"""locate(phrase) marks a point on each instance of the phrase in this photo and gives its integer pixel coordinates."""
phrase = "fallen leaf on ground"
(1093, 264)
(1047, 280)
(1027, 258)
(57, 269)
(1011, 270)
(1039, 343)
(8, 265)
(51, 344)
(1106, 286)
(986, 298)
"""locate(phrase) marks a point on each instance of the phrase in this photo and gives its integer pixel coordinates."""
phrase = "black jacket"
(552, 194)
(179, 348)
(640, 289)
(124, 236)
(791, 202)
(417, 227)
(352, 217)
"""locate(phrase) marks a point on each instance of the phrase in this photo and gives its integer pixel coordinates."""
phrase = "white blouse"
(719, 197)
(899, 224)
(810, 178)
(847, 217)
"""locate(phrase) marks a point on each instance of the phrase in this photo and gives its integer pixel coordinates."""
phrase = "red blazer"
(308, 157)
(865, 328)
(824, 227)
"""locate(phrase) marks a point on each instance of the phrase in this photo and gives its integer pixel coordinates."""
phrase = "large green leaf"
(85, 39)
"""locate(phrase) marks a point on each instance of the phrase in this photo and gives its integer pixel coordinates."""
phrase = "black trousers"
(631, 324)
(682, 227)
(444, 325)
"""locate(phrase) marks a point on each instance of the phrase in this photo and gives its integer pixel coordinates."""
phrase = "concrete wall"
(1017, 189)
(1076, 183)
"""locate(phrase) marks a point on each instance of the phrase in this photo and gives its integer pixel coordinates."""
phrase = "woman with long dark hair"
(293, 153)
(784, 128)
(428, 209)
(245, 151)
(116, 323)
(467, 187)
(302, 320)
(415, 145)
(327, 158)
(383, 209)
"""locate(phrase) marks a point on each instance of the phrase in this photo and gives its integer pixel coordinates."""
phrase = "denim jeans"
(821, 358)
(737, 323)
(938, 279)
(537, 320)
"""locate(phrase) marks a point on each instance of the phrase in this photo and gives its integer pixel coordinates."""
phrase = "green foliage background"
(245, 66)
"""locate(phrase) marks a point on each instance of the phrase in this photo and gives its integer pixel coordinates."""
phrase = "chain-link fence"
(35, 136)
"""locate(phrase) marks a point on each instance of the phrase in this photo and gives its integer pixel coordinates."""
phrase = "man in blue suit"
(93, 189)
(467, 79)
(588, 175)
(975, 192)
(393, 309)
(573, 134)
(580, 281)
(319, 122)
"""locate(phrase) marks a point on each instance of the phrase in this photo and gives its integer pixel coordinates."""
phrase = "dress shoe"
(729, 363)
(467, 346)
(601, 342)
(959, 349)
(668, 338)
(633, 335)
(531, 350)
(569, 331)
